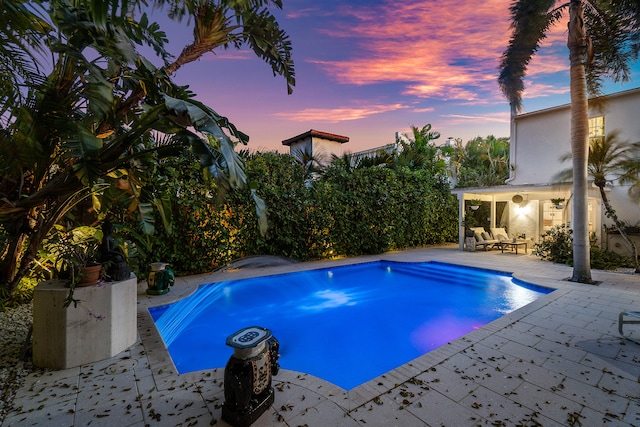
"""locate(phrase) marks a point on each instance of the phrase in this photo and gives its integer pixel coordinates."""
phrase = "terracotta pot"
(89, 275)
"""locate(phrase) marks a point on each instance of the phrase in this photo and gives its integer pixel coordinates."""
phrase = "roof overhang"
(514, 188)
(317, 134)
(530, 189)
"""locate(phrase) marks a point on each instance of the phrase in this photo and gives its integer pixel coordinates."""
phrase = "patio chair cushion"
(499, 234)
(477, 233)
(483, 239)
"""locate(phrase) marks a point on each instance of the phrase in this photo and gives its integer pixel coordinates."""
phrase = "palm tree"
(90, 116)
(233, 24)
(485, 162)
(20, 48)
(631, 171)
(608, 161)
(418, 151)
(602, 41)
(312, 164)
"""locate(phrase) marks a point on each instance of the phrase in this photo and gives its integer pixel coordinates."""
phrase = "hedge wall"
(363, 211)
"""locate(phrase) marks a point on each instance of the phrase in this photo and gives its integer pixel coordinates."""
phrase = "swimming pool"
(346, 324)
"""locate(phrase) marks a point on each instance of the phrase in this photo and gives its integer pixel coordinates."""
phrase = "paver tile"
(593, 397)
(596, 418)
(438, 410)
(582, 373)
(495, 407)
(385, 411)
(454, 385)
(535, 374)
(546, 402)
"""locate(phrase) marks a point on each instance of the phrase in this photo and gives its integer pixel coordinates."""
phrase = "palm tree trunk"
(19, 255)
(577, 43)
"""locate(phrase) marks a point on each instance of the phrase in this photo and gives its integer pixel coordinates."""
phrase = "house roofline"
(566, 106)
(318, 134)
(513, 188)
(524, 188)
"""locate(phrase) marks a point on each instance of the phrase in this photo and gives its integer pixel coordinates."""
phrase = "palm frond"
(531, 20)
(270, 43)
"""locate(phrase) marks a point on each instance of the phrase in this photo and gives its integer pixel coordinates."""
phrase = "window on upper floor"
(596, 127)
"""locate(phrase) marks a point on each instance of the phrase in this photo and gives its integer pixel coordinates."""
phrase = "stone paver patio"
(556, 362)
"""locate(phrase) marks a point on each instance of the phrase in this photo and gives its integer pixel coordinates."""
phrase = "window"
(596, 127)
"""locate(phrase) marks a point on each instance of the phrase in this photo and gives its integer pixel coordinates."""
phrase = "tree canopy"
(86, 115)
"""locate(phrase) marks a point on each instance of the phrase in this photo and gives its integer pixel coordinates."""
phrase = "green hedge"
(364, 211)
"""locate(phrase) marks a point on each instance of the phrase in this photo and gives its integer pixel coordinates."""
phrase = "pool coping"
(165, 372)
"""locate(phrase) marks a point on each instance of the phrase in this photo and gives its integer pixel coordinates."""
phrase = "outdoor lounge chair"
(483, 239)
(622, 321)
(499, 234)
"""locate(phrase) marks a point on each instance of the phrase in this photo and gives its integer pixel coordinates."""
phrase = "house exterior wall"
(537, 141)
(324, 149)
(321, 145)
(301, 146)
(540, 138)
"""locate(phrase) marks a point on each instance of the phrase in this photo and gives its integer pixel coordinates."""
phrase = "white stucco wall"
(540, 138)
(322, 149)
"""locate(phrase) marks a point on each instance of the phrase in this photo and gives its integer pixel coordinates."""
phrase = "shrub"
(608, 260)
(556, 245)
(378, 209)
(296, 225)
(342, 213)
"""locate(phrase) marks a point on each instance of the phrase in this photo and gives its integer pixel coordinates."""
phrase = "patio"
(558, 361)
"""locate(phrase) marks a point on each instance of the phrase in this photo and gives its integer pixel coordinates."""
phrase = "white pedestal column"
(103, 324)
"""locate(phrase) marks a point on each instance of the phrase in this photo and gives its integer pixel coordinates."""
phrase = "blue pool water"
(346, 324)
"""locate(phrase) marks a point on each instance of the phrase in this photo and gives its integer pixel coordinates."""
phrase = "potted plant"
(558, 202)
(474, 204)
(471, 216)
(74, 254)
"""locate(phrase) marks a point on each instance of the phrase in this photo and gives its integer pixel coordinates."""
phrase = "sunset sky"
(367, 69)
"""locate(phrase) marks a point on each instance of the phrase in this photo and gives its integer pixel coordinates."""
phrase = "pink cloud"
(335, 115)
(302, 12)
(482, 118)
(537, 90)
(424, 110)
(446, 50)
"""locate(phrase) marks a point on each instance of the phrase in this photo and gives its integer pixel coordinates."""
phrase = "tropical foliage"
(481, 162)
(608, 161)
(631, 171)
(602, 39)
(345, 211)
(556, 246)
(86, 117)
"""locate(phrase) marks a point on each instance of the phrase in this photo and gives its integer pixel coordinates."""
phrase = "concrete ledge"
(101, 325)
